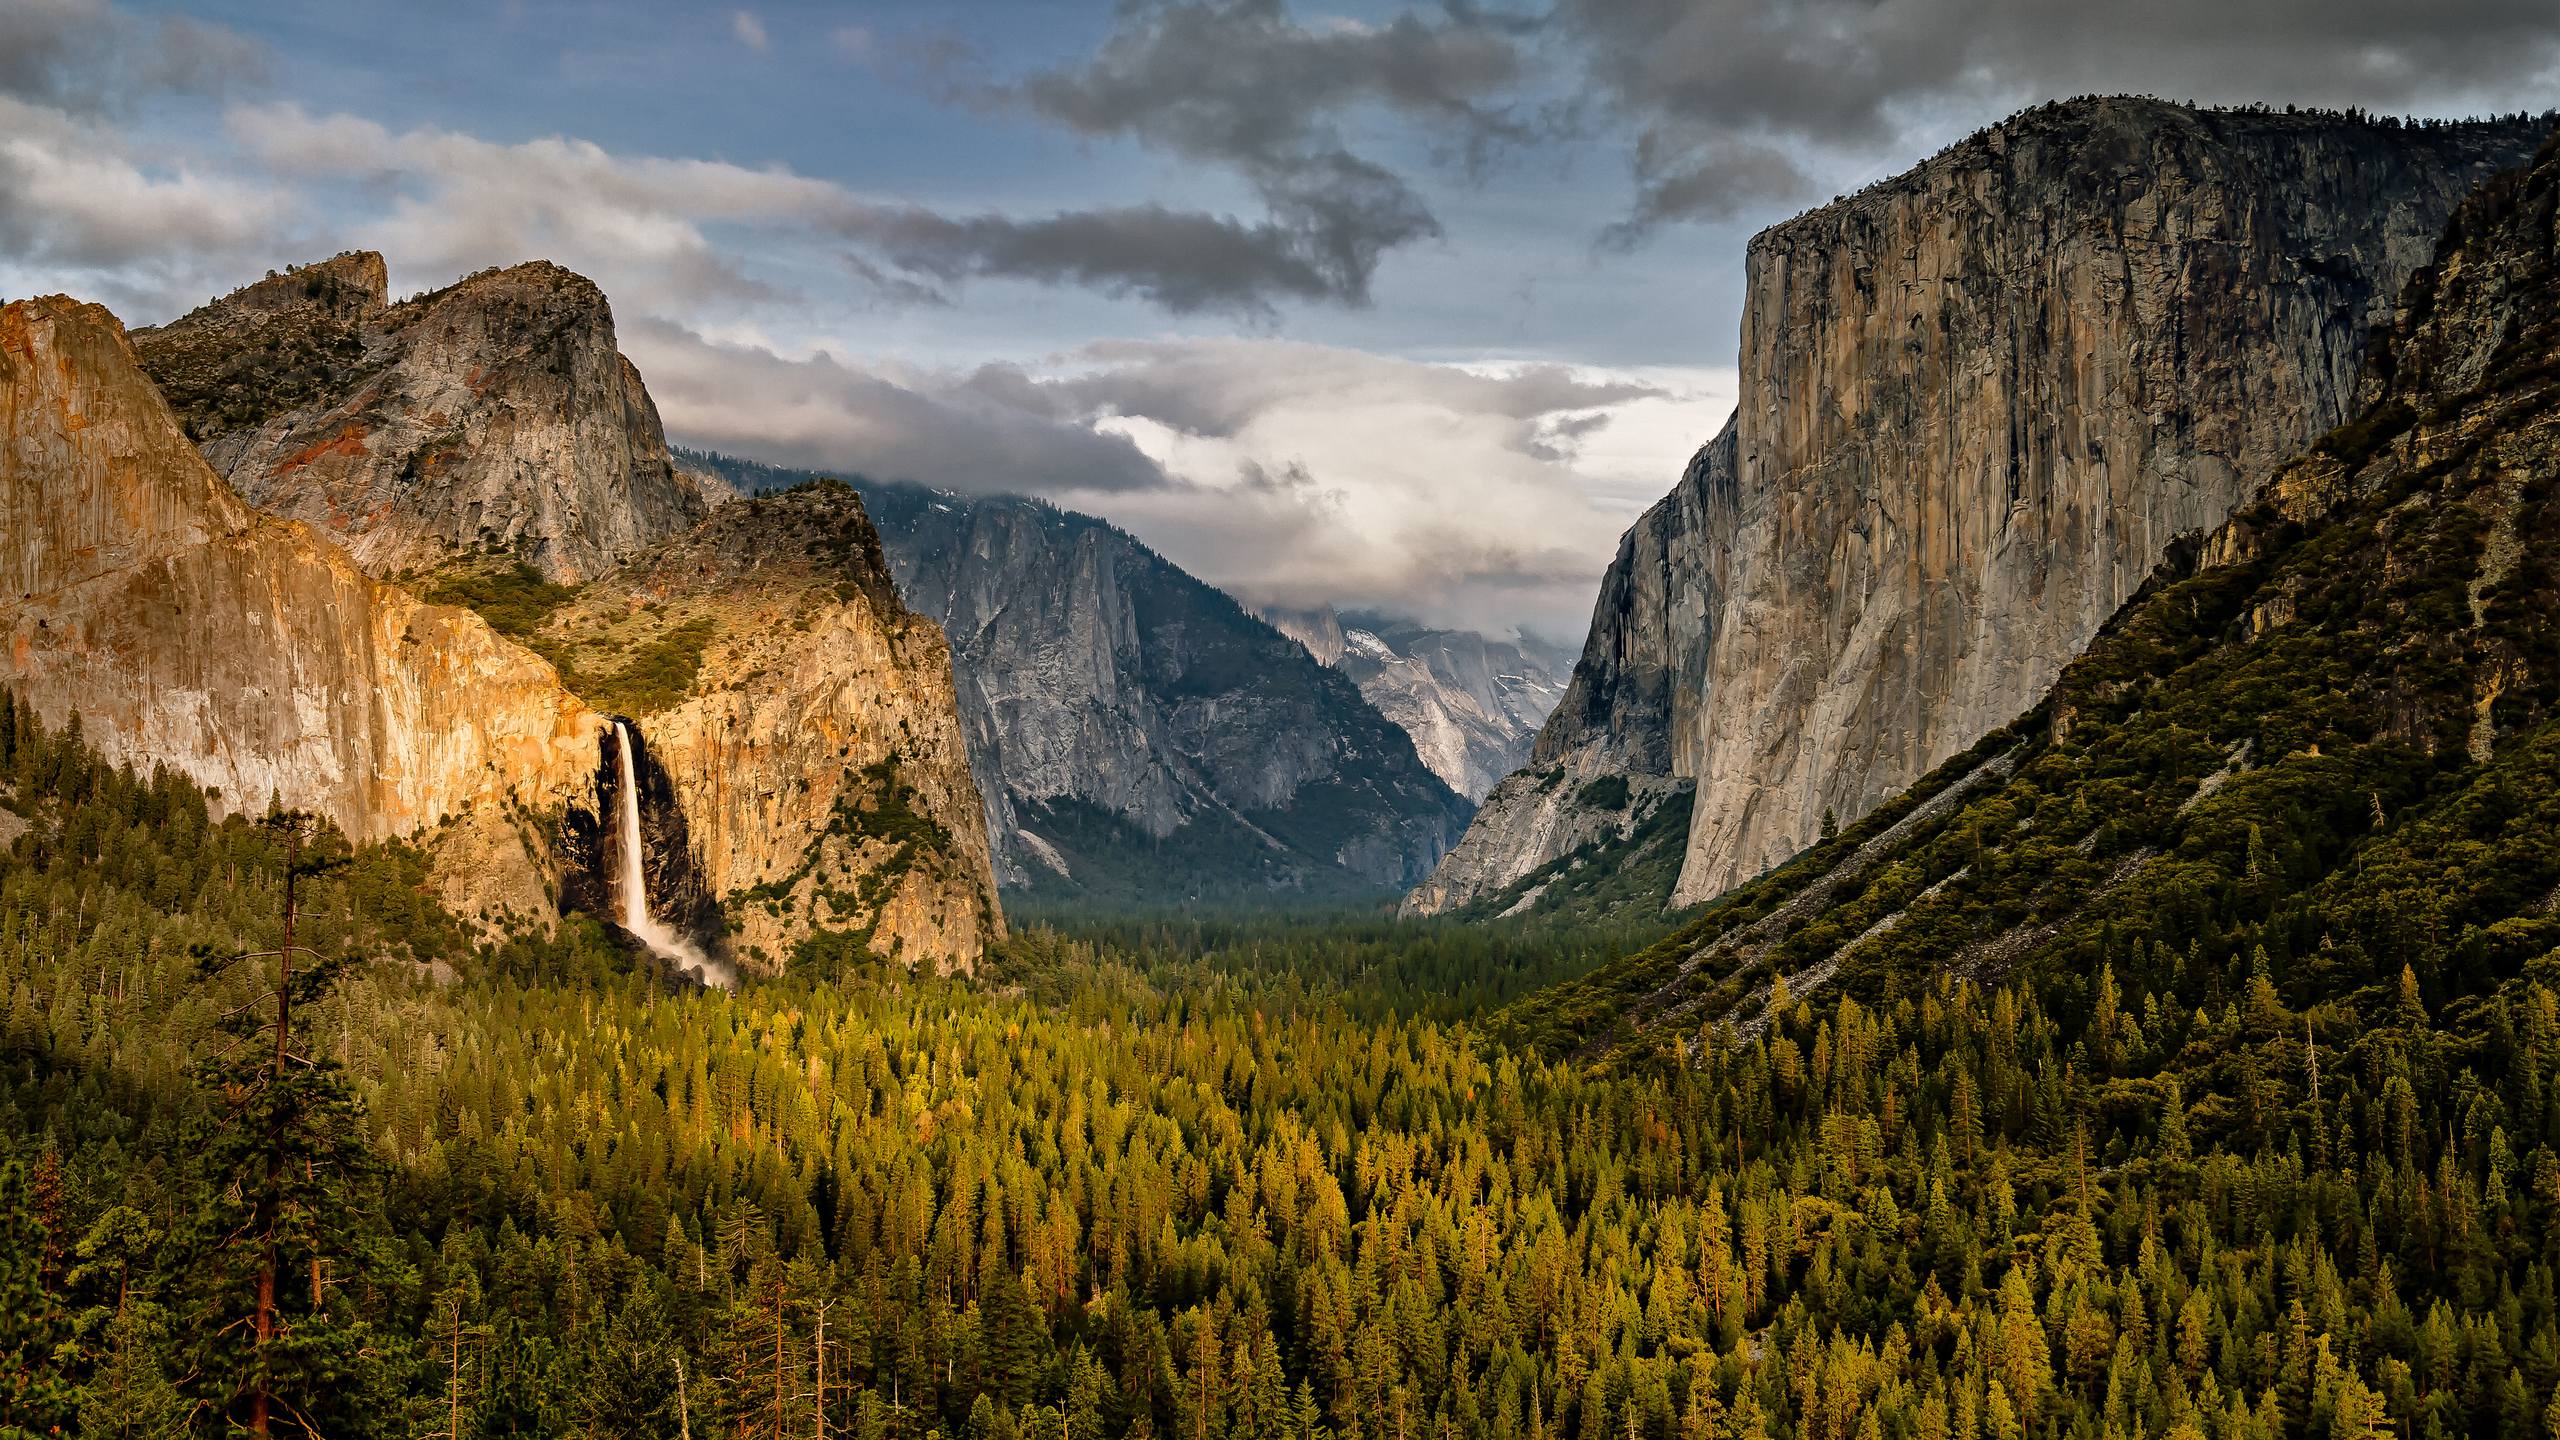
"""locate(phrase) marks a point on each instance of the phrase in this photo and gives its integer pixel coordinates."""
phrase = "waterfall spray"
(670, 946)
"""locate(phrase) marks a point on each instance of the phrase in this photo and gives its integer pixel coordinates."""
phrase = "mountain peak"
(347, 287)
(542, 282)
(491, 419)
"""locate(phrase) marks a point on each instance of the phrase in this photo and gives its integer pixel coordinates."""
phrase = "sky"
(1404, 307)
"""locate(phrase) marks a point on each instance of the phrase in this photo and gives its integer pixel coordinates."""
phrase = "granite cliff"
(2314, 762)
(1608, 781)
(1472, 703)
(805, 722)
(491, 418)
(1980, 401)
(184, 628)
(1138, 736)
(801, 742)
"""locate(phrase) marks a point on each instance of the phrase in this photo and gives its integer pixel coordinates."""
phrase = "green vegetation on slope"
(656, 668)
(1174, 1190)
(516, 599)
(1602, 883)
(1219, 861)
(297, 348)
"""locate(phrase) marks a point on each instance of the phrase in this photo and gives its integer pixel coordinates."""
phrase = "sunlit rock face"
(492, 417)
(492, 423)
(1979, 401)
(805, 768)
(809, 735)
(184, 628)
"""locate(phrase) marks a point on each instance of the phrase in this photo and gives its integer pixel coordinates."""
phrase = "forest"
(1219, 1181)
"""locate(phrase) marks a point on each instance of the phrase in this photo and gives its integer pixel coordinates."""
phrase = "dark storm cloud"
(84, 56)
(1183, 261)
(1239, 81)
(1726, 96)
(468, 201)
(1242, 85)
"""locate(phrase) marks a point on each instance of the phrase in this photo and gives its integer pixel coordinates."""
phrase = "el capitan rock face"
(2327, 731)
(1979, 402)
(493, 417)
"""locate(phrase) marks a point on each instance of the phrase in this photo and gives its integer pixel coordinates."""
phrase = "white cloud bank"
(1488, 494)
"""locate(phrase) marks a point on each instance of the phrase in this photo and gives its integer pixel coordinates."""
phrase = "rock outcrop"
(2320, 750)
(806, 721)
(1471, 703)
(1979, 403)
(796, 714)
(1629, 712)
(1137, 735)
(1097, 677)
(184, 628)
(493, 417)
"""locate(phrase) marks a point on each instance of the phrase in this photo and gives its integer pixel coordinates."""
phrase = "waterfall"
(674, 948)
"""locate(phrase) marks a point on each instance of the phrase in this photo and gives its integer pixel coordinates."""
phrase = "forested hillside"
(2182, 1062)
(547, 1196)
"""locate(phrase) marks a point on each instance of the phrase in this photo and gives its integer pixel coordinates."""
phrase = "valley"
(2033, 912)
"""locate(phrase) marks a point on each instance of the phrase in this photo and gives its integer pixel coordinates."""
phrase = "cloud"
(1291, 473)
(1219, 388)
(1471, 495)
(80, 208)
(1239, 84)
(1733, 103)
(86, 57)
(1237, 81)
(1182, 261)
(749, 30)
(450, 202)
(827, 412)
(643, 225)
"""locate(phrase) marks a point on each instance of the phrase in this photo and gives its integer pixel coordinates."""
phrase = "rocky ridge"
(1472, 703)
(2320, 747)
(1137, 735)
(800, 718)
(1980, 401)
(493, 418)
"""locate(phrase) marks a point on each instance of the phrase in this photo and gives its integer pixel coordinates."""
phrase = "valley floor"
(1251, 1179)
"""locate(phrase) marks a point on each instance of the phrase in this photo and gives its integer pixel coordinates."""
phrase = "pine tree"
(283, 1167)
(35, 1398)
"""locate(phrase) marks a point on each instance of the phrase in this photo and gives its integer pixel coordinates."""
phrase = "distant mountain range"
(1471, 702)
(1140, 737)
